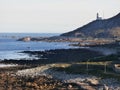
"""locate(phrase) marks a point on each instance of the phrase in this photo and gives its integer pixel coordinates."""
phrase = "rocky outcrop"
(25, 39)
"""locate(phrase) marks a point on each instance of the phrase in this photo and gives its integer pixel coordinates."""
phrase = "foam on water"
(9, 47)
(7, 65)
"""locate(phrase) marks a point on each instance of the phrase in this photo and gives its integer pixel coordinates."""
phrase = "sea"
(10, 48)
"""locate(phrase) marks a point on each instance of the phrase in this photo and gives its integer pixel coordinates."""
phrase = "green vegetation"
(112, 57)
(100, 69)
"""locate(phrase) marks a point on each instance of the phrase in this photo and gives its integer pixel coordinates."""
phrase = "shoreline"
(54, 56)
(49, 78)
(45, 77)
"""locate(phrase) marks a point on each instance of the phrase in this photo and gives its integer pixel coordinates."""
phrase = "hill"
(106, 28)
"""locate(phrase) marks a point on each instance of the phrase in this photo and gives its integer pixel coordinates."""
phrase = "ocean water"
(10, 48)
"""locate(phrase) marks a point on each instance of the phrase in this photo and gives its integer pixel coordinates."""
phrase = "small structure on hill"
(98, 17)
(26, 39)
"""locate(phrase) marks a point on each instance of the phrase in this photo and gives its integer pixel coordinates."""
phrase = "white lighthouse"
(98, 17)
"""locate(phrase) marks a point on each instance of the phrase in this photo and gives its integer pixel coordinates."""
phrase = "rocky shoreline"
(56, 56)
(83, 42)
(44, 77)
(39, 74)
(10, 81)
(85, 82)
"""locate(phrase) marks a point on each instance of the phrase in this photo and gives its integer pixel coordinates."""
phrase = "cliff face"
(107, 28)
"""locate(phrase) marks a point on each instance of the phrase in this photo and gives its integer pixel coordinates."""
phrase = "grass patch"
(93, 68)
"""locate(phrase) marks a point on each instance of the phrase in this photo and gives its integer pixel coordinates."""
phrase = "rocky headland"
(97, 32)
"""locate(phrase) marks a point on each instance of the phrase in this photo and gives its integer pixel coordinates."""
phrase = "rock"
(105, 87)
(69, 86)
(85, 86)
(25, 39)
(93, 81)
(88, 82)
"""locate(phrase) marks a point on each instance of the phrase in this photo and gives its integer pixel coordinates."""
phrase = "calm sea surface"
(10, 47)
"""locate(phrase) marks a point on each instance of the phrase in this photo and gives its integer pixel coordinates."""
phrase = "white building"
(98, 17)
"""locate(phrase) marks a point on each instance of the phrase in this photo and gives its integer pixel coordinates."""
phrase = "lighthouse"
(98, 17)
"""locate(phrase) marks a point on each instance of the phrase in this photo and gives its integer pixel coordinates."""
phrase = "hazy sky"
(52, 15)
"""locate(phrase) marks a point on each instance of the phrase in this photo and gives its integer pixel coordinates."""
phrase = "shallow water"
(10, 47)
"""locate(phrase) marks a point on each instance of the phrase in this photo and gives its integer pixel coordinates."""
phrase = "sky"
(52, 16)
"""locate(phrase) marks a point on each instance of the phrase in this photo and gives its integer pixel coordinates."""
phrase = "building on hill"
(98, 17)
(26, 39)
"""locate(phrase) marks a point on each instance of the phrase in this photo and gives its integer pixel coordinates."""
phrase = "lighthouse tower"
(97, 17)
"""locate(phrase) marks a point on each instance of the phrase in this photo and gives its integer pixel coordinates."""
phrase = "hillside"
(105, 28)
